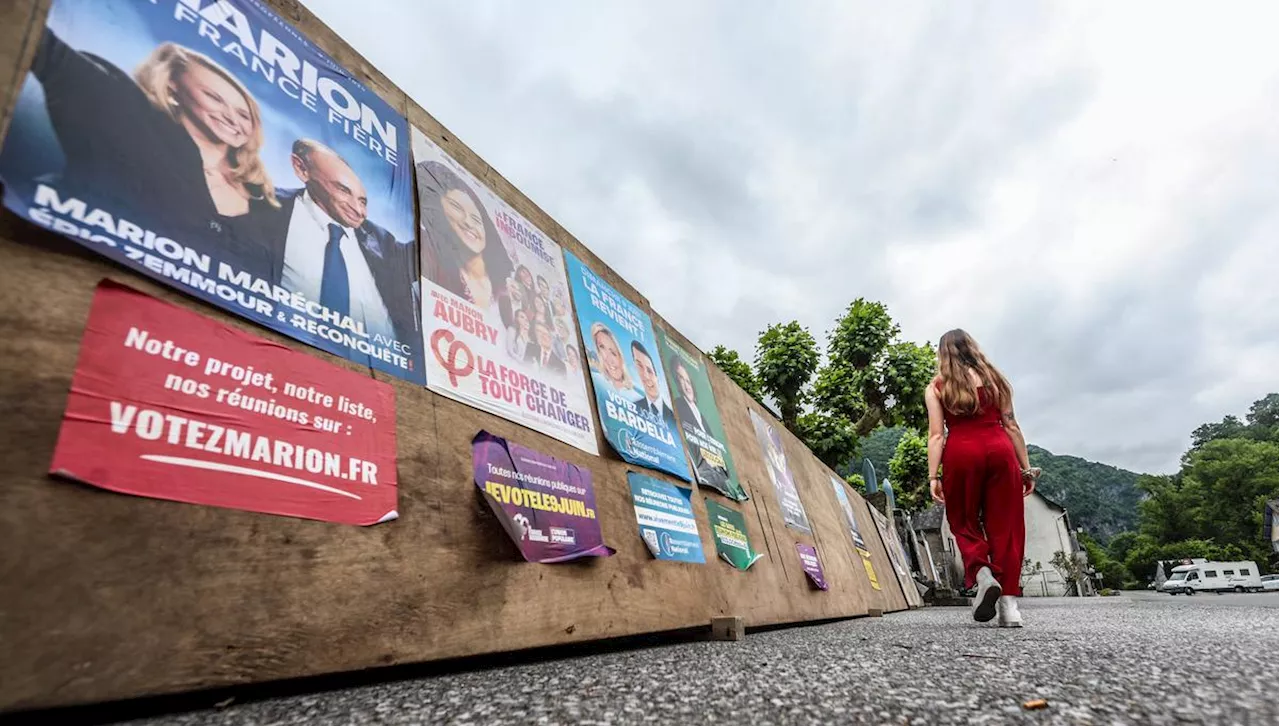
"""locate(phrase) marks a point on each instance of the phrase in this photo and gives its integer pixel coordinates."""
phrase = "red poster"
(170, 404)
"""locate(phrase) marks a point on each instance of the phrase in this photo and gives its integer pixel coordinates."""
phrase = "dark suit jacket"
(704, 471)
(687, 416)
(533, 354)
(668, 416)
(390, 260)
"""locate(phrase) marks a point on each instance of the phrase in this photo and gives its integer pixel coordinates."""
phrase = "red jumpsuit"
(982, 486)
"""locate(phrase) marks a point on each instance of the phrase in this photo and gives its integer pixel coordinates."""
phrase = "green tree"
(1164, 514)
(909, 472)
(830, 439)
(1228, 428)
(1111, 571)
(856, 481)
(1232, 479)
(738, 370)
(1120, 545)
(1265, 412)
(1069, 569)
(1141, 558)
(873, 378)
(786, 358)
(1260, 424)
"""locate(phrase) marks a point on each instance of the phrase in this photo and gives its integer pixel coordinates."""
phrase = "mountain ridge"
(1100, 497)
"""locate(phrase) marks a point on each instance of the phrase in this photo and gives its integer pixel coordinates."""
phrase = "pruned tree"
(872, 378)
(909, 472)
(786, 358)
(738, 370)
(830, 438)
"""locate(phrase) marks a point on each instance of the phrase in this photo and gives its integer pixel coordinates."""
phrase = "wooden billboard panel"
(105, 596)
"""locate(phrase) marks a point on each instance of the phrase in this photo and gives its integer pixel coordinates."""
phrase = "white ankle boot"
(984, 601)
(1009, 615)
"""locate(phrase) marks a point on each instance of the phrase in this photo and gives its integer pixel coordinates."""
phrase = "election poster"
(664, 512)
(892, 547)
(729, 529)
(858, 543)
(626, 373)
(784, 484)
(811, 565)
(547, 506)
(495, 306)
(169, 404)
(700, 424)
(212, 147)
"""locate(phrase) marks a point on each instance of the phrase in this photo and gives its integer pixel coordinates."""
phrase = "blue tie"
(335, 289)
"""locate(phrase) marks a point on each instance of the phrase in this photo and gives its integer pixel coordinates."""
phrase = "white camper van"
(1204, 576)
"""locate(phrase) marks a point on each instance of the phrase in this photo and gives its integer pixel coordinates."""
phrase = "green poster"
(700, 425)
(729, 530)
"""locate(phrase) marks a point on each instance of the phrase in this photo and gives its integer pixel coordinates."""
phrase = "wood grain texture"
(105, 596)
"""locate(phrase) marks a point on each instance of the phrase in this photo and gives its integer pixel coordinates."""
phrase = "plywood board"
(105, 596)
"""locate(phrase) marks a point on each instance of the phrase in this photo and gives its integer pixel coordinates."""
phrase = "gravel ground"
(1134, 659)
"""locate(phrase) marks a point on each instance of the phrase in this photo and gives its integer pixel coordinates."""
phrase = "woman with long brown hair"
(985, 473)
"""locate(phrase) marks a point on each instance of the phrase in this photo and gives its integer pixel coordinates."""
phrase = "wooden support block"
(874, 612)
(729, 628)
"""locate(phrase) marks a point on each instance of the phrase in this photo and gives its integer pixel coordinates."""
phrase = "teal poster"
(664, 512)
(632, 399)
(729, 529)
(699, 417)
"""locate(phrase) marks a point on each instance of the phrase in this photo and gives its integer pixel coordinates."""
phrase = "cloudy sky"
(1089, 188)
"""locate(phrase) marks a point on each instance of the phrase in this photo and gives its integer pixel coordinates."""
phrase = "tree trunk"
(869, 421)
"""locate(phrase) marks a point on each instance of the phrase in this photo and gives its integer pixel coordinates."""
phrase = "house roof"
(1049, 501)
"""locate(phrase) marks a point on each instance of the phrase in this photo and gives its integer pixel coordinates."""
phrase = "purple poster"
(812, 566)
(547, 505)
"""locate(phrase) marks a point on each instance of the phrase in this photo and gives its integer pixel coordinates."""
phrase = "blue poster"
(211, 146)
(632, 396)
(665, 514)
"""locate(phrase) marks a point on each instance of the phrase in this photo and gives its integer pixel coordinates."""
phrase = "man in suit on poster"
(541, 352)
(652, 404)
(332, 254)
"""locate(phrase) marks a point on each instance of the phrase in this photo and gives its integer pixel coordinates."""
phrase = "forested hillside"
(879, 446)
(1099, 497)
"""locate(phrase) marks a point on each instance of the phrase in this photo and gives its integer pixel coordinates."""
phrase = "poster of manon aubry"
(212, 147)
(495, 305)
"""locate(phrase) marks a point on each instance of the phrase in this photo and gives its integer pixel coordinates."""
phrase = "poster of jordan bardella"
(211, 146)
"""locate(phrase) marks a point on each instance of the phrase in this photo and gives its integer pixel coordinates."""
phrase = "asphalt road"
(1260, 599)
(1140, 658)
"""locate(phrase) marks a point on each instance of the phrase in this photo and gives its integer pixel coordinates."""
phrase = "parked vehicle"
(1205, 576)
(1270, 583)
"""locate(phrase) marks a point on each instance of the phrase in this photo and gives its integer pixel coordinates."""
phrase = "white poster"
(496, 313)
